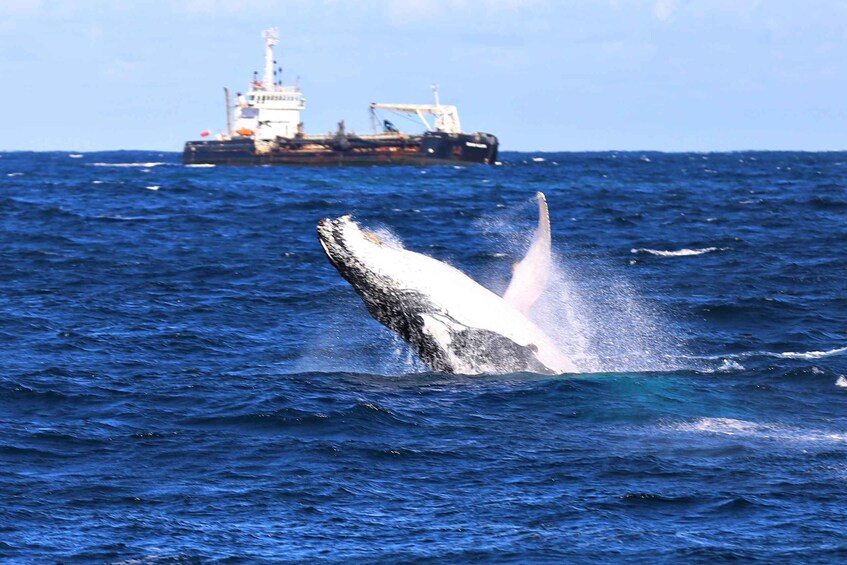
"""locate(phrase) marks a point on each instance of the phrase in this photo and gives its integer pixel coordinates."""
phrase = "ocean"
(186, 378)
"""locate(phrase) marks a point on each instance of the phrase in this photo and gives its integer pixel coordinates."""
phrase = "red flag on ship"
(206, 133)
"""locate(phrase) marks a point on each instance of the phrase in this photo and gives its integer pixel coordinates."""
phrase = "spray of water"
(591, 310)
(598, 318)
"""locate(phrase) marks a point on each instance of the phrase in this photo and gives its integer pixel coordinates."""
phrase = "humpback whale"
(453, 323)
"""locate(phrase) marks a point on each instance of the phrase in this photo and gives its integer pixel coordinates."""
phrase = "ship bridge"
(269, 109)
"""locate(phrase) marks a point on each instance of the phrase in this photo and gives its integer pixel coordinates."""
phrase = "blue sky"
(670, 75)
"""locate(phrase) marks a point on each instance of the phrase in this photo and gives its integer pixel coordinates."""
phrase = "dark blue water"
(185, 377)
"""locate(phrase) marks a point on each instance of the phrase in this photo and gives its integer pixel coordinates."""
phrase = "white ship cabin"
(269, 109)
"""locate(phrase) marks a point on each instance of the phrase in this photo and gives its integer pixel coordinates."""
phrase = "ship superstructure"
(264, 127)
(269, 109)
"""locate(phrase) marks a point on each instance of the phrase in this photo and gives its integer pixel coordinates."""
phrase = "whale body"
(453, 323)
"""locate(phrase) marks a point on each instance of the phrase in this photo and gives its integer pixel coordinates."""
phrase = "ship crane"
(446, 115)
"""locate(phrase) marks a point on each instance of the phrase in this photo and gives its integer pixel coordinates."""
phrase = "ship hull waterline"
(425, 150)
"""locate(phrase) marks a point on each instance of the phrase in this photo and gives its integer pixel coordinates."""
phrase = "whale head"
(351, 249)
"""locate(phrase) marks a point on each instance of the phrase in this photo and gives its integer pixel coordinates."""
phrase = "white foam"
(729, 366)
(75, 155)
(145, 165)
(97, 182)
(728, 359)
(153, 187)
(811, 354)
(842, 381)
(200, 165)
(14, 174)
(765, 431)
(538, 159)
(677, 253)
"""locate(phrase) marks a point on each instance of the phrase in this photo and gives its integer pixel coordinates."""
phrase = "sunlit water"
(186, 377)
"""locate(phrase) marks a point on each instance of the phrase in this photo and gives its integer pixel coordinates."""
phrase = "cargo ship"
(264, 128)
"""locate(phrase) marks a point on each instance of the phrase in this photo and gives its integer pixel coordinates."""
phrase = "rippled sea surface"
(186, 378)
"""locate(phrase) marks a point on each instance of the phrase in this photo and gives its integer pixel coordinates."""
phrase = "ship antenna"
(435, 91)
(271, 36)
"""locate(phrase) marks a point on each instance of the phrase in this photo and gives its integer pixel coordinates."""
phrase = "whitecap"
(120, 218)
(728, 366)
(153, 187)
(14, 174)
(678, 252)
(145, 165)
(842, 381)
(538, 159)
(75, 155)
(765, 431)
(200, 165)
(812, 354)
(97, 182)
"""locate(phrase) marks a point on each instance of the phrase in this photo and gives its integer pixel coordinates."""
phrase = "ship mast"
(228, 113)
(271, 36)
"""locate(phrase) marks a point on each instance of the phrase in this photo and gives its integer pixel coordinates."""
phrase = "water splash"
(596, 316)
(601, 321)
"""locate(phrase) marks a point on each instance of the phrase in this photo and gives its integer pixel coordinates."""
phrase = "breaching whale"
(452, 322)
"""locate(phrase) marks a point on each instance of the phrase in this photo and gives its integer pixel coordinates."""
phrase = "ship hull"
(432, 148)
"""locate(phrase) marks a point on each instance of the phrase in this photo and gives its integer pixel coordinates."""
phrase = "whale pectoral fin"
(530, 276)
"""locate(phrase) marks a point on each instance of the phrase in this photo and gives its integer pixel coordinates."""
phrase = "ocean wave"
(842, 381)
(120, 218)
(677, 253)
(766, 431)
(144, 165)
(729, 358)
(729, 366)
(200, 165)
(810, 354)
